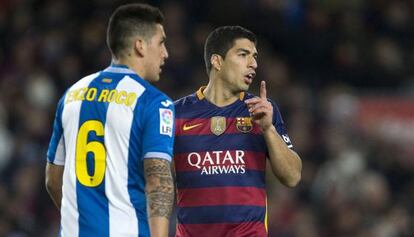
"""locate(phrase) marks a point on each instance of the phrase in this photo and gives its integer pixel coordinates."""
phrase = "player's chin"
(244, 87)
(154, 78)
(157, 78)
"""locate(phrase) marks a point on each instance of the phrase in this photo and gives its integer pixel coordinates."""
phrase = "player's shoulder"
(84, 81)
(153, 94)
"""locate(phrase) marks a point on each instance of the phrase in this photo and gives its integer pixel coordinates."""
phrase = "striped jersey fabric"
(105, 125)
(220, 159)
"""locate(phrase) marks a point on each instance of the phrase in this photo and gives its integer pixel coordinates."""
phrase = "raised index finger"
(263, 90)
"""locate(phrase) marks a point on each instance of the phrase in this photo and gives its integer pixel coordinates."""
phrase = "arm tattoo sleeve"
(159, 187)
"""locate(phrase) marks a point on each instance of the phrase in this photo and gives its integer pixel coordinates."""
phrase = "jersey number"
(83, 147)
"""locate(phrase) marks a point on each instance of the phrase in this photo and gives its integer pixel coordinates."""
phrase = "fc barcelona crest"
(244, 124)
(218, 125)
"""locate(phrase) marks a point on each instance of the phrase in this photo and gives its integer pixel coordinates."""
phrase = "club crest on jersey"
(218, 125)
(244, 124)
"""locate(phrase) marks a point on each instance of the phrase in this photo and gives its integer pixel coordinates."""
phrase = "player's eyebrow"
(255, 54)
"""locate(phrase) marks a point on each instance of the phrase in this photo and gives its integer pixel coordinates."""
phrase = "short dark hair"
(222, 39)
(128, 21)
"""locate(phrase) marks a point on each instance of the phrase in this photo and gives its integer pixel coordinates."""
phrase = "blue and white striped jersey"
(105, 125)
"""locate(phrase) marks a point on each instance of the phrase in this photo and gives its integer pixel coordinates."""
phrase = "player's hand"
(261, 109)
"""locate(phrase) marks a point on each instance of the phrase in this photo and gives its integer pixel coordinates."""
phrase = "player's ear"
(216, 61)
(140, 47)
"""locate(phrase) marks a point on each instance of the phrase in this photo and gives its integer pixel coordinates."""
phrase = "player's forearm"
(285, 163)
(158, 226)
(55, 195)
(159, 211)
(53, 183)
(160, 195)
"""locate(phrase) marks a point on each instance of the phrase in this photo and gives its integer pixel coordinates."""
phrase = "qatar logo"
(218, 162)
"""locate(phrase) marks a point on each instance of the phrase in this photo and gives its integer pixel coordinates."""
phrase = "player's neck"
(137, 68)
(219, 94)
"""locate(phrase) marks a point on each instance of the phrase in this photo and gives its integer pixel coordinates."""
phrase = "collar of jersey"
(201, 96)
(119, 68)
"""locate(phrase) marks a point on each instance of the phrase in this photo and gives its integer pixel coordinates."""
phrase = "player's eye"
(162, 41)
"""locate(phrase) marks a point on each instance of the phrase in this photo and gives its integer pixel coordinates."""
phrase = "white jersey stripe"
(123, 218)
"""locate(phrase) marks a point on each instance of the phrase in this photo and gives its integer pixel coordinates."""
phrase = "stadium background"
(341, 71)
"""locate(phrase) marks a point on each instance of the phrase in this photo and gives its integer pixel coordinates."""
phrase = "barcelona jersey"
(106, 124)
(220, 159)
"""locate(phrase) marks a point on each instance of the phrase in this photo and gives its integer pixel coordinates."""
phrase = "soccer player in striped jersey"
(109, 157)
(224, 137)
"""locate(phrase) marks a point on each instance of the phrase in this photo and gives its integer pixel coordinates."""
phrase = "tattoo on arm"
(159, 187)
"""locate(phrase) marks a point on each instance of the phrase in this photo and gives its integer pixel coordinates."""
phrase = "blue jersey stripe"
(92, 202)
(224, 142)
(193, 179)
(136, 180)
(57, 132)
(221, 214)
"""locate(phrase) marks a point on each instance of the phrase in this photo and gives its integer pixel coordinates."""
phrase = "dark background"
(340, 70)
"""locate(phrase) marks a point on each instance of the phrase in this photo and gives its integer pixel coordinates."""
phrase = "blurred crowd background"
(340, 70)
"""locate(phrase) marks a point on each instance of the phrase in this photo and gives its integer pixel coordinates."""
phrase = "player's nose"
(253, 63)
(165, 53)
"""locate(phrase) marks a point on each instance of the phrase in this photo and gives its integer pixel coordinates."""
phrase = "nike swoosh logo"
(189, 127)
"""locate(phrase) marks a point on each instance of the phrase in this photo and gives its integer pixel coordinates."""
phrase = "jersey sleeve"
(158, 131)
(56, 151)
(280, 126)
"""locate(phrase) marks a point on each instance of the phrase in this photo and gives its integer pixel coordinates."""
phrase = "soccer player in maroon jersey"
(224, 137)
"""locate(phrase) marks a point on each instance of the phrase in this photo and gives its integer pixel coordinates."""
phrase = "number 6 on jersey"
(83, 147)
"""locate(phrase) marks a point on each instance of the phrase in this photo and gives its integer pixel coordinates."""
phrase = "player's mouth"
(248, 78)
(161, 65)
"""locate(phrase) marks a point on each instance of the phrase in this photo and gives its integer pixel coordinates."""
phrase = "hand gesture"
(261, 110)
